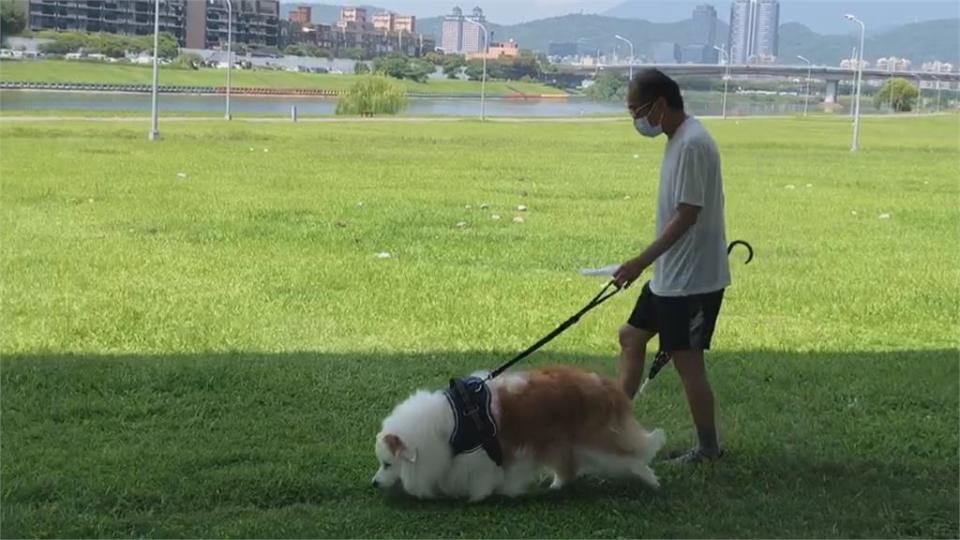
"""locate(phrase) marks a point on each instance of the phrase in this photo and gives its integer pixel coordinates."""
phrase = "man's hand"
(629, 272)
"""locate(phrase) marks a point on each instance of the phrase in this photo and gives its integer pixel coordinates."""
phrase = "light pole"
(630, 43)
(806, 98)
(229, 53)
(483, 81)
(154, 127)
(856, 114)
(938, 91)
(726, 76)
(919, 94)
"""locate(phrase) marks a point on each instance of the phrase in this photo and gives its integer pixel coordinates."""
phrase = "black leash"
(600, 298)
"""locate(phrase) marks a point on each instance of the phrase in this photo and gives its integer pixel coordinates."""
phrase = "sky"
(500, 11)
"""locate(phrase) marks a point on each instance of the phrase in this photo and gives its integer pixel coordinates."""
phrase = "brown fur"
(562, 408)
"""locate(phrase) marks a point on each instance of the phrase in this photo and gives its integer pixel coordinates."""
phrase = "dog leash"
(605, 294)
(601, 297)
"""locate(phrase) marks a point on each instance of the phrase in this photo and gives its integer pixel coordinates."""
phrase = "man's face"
(640, 109)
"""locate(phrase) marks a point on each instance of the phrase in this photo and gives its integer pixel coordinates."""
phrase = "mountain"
(821, 16)
(593, 30)
(920, 42)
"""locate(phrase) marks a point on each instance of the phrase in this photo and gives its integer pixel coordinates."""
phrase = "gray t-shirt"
(690, 174)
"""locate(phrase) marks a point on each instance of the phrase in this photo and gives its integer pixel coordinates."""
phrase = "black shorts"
(684, 322)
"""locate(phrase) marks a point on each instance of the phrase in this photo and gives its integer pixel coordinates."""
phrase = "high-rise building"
(754, 31)
(255, 22)
(354, 15)
(391, 22)
(473, 36)
(460, 35)
(301, 15)
(451, 39)
(705, 25)
(115, 17)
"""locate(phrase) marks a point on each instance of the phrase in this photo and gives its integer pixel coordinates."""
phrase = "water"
(27, 101)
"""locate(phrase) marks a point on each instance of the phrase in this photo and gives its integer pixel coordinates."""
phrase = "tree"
(897, 92)
(452, 64)
(361, 68)
(608, 87)
(188, 61)
(474, 70)
(435, 58)
(169, 48)
(418, 70)
(12, 18)
(354, 53)
(373, 94)
(394, 65)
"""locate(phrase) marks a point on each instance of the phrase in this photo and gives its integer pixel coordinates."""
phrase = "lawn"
(199, 339)
(63, 71)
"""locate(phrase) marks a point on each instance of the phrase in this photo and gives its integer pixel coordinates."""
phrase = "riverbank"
(70, 75)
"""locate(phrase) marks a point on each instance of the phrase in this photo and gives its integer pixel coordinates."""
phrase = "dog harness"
(473, 423)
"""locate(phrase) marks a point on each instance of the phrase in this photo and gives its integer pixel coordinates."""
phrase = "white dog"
(561, 419)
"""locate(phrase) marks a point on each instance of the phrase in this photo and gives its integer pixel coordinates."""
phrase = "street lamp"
(229, 53)
(919, 94)
(628, 42)
(483, 81)
(806, 98)
(938, 91)
(856, 114)
(154, 128)
(726, 76)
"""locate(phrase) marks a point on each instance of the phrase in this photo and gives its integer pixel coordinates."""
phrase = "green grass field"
(211, 355)
(63, 71)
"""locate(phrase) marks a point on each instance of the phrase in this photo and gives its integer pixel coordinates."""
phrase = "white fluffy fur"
(425, 467)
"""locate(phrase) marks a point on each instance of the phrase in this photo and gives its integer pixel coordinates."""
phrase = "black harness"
(473, 423)
(471, 399)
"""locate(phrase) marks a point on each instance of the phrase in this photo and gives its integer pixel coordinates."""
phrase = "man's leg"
(693, 373)
(633, 350)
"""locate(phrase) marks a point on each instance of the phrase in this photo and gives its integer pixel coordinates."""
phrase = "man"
(689, 255)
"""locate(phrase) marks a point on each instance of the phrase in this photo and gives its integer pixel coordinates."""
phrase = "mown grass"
(64, 71)
(210, 355)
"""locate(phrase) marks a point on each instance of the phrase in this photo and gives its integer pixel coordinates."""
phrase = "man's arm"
(678, 226)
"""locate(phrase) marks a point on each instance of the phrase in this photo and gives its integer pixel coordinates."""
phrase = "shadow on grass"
(263, 444)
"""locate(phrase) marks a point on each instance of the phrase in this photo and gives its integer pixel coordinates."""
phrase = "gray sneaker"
(695, 456)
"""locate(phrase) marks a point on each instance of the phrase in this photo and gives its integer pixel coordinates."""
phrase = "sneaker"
(694, 456)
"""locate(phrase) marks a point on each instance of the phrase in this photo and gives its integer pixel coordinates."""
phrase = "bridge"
(832, 75)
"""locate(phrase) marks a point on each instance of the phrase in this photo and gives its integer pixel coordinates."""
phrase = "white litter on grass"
(518, 219)
(791, 186)
(484, 206)
(467, 207)
(809, 185)
(605, 271)
(884, 216)
(181, 175)
(461, 224)
(626, 197)
(384, 255)
(853, 212)
(266, 150)
(495, 217)
(359, 205)
(636, 156)
(925, 182)
(522, 208)
(251, 149)
(89, 200)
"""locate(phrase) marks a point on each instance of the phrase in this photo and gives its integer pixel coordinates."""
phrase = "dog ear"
(398, 448)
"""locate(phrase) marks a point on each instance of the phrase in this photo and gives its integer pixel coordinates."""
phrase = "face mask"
(644, 128)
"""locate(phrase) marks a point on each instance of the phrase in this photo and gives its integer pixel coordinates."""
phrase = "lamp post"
(726, 76)
(806, 98)
(483, 81)
(229, 54)
(630, 43)
(154, 127)
(856, 114)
